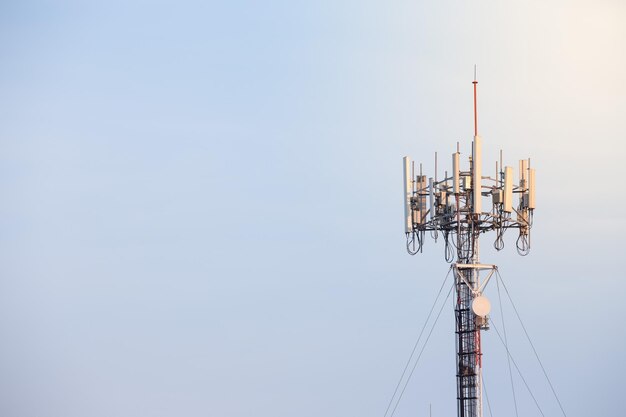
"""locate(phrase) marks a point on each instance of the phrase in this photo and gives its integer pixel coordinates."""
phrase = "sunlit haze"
(201, 209)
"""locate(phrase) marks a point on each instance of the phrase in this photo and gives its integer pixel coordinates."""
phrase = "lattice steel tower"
(453, 208)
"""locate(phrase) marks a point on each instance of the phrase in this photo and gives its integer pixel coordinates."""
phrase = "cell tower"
(453, 206)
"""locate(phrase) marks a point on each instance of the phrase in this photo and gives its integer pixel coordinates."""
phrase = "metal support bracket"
(479, 267)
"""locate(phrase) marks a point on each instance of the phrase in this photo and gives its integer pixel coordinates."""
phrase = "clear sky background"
(201, 208)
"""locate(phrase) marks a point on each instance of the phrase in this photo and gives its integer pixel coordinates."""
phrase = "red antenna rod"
(475, 112)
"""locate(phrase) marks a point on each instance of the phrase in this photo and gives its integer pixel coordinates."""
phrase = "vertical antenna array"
(456, 201)
(455, 209)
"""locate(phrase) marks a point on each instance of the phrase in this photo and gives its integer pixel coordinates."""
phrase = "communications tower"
(453, 207)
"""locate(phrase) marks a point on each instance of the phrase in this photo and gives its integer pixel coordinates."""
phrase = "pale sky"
(201, 203)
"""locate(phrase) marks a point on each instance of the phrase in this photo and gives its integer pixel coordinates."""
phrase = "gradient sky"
(201, 202)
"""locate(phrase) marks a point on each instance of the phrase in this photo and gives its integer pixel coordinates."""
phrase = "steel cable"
(517, 368)
(487, 396)
(543, 369)
(506, 345)
(421, 351)
(408, 362)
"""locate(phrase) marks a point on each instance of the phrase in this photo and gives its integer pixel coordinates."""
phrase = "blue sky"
(201, 209)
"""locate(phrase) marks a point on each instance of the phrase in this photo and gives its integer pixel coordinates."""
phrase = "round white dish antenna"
(481, 306)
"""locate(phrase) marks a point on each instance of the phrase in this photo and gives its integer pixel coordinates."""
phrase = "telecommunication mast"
(453, 206)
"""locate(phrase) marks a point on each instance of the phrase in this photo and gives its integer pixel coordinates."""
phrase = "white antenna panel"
(443, 194)
(508, 190)
(477, 158)
(523, 170)
(420, 213)
(531, 188)
(408, 193)
(455, 172)
(421, 200)
(431, 196)
(417, 216)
